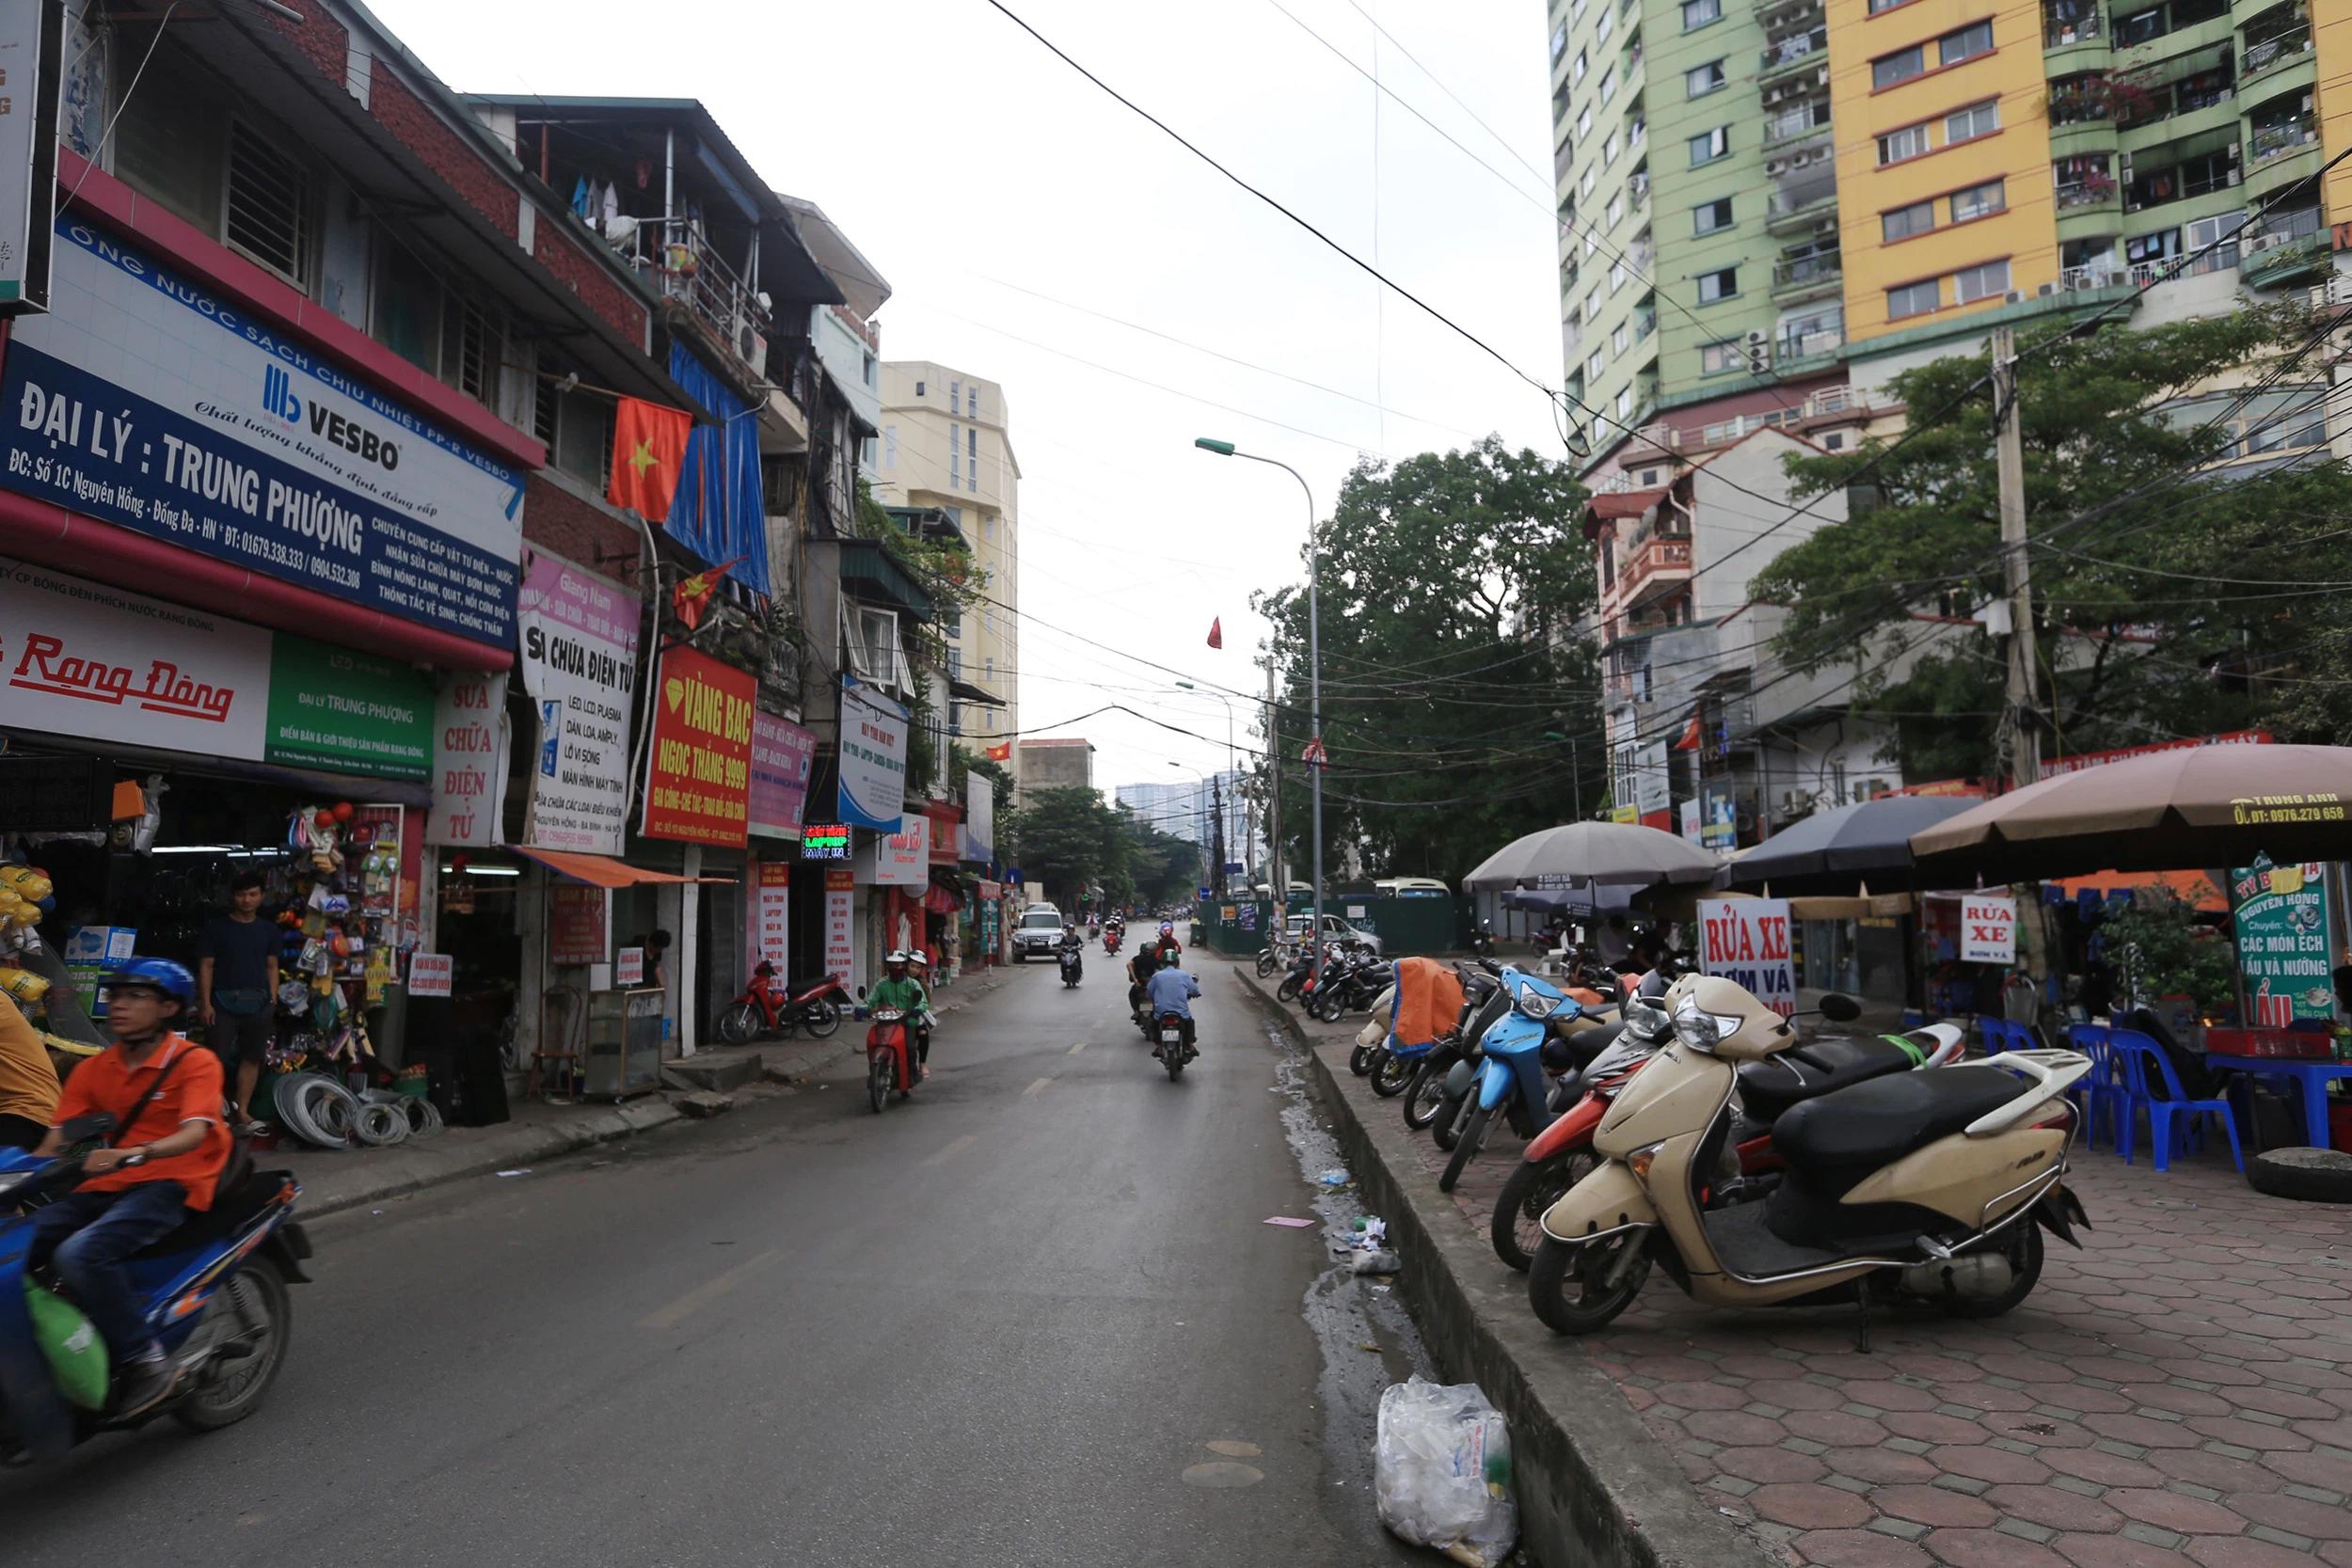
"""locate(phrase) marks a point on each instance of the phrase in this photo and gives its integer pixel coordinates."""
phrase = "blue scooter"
(213, 1291)
(1511, 1071)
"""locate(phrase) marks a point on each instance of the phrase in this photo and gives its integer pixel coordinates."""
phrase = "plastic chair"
(2145, 1064)
(2103, 1087)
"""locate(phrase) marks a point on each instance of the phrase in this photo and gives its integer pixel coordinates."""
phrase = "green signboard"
(349, 712)
(2284, 942)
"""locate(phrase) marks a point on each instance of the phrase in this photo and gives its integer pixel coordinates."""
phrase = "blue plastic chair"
(2145, 1066)
(2103, 1088)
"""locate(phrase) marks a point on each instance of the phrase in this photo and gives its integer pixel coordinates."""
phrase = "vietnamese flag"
(648, 456)
(1001, 753)
(1690, 740)
(692, 594)
(1216, 633)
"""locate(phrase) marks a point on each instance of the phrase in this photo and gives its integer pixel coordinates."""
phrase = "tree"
(1067, 840)
(1458, 685)
(2132, 527)
(1161, 868)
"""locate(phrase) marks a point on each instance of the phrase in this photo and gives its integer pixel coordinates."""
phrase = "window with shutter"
(267, 216)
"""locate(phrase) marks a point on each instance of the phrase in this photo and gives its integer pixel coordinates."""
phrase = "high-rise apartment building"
(946, 445)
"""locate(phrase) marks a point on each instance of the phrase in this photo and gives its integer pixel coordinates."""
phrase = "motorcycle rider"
(902, 991)
(1140, 969)
(1074, 944)
(168, 1147)
(1170, 948)
(1171, 991)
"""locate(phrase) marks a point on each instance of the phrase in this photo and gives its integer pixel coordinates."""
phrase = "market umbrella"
(1604, 899)
(2198, 806)
(1584, 853)
(1836, 849)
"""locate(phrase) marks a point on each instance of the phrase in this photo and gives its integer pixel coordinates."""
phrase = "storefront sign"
(2100, 759)
(1719, 829)
(629, 968)
(1689, 811)
(145, 402)
(1988, 930)
(576, 924)
(947, 831)
(771, 916)
(469, 760)
(1746, 940)
(1650, 795)
(873, 759)
(2284, 942)
(782, 755)
(979, 817)
(841, 924)
(353, 713)
(57, 794)
(904, 858)
(31, 37)
(1624, 814)
(824, 841)
(698, 768)
(430, 974)
(577, 634)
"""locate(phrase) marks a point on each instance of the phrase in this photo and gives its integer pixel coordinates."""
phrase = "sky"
(1005, 197)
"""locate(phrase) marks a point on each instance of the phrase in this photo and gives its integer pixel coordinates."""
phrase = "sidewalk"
(2177, 1395)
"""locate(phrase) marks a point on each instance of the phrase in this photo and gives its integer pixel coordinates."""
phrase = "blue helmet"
(161, 974)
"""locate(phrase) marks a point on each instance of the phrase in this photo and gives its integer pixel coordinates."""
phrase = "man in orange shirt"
(168, 1147)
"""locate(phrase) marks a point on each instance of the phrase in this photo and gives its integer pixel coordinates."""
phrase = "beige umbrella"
(1590, 854)
(2197, 806)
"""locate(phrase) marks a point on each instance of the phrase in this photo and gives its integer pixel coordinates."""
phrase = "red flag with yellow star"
(648, 456)
(693, 593)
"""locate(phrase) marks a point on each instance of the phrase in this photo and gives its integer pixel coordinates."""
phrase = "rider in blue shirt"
(1172, 992)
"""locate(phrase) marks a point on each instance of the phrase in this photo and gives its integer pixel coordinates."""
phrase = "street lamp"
(1222, 884)
(1315, 673)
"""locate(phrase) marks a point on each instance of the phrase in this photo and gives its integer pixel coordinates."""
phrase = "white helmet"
(895, 956)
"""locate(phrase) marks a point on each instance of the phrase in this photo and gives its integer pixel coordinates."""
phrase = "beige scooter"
(1937, 1177)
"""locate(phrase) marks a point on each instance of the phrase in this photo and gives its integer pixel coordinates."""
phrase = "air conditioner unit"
(2015, 296)
(1759, 340)
(2046, 289)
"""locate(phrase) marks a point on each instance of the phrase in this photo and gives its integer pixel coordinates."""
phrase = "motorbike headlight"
(1703, 1031)
(1647, 1020)
(1535, 1005)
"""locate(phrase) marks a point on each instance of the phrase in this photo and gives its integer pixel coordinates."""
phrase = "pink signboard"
(782, 755)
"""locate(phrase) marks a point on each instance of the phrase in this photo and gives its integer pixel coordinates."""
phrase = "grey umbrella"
(1843, 845)
(1583, 853)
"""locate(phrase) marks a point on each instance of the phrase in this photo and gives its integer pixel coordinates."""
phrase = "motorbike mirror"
(1840, 1008)
(861, 993)
(82, 1129)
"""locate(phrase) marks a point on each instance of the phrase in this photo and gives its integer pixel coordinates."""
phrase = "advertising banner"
(841, 924)
(979, 817)
(782, 755)
(577, 931)
(771, 916)
(698, 768)
(1650, 795)
(1689, 811)
(904, 858)
(873, 759)
(2284, 942)
(353, 713)
(431, 973)
(143, 401)
(947, 831)
(1719, 827)
(579, 647)
(1746, 940)
(1988, 928)
(2081, 761)
(469, 760)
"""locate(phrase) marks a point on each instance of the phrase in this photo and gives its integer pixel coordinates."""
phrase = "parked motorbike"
(1511, 1077)
(889, 1056)
(1483, 940)
(214, 1290)
(1070, 966)
(767, 1007)
(1943, 1180)
(1351, 985)
(1425, 1091)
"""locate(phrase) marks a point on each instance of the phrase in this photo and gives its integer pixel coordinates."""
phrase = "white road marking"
(704, 1294)
(953, 1151)
(1034, 1087)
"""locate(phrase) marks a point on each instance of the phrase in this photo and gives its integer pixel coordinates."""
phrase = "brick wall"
(581, 531)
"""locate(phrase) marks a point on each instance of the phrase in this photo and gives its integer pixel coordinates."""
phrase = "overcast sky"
(968, 163)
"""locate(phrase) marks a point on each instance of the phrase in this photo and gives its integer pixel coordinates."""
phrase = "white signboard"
(1690, 814)
(772, 915)
(840, 925)
(28, 152)
(904, 858)
(430, 973)
(578, 646)
(979, 817)
(1747, 940)
(631, 971)
(143, 401)
(873, 759)
(1650, 791)
(81, 658)
(1988, 928)
(469, 760)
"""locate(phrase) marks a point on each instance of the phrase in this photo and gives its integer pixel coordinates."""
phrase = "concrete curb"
(1594, 1487)
(394, 1173)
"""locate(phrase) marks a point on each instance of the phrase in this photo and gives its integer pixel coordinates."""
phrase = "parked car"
(1036, 935)
(1334, 929)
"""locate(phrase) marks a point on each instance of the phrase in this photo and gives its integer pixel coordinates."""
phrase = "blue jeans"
(87, 1235)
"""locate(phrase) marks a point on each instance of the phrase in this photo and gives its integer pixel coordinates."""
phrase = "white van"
(1038, 932)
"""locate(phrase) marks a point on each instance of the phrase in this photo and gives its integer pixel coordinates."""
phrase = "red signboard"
(2095, 759)
(575, 932)
(947, 823)
(698, 771)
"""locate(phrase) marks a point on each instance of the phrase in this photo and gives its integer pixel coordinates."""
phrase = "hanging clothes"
(609, 204)
(579, 198)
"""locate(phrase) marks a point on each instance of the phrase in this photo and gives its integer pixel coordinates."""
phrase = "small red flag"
(1216, 633)
(648, 456)
(1689, 741)
(693, 594)
(1001, 753)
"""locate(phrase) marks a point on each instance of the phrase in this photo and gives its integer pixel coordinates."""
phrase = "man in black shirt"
(236, 985)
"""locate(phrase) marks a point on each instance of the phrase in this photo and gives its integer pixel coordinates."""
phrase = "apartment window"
(1592, 241)
(1709, 216)
(1577, 70)
(1590, 178)
(1709, 146)
(266, 215)
(1594, 366)
(1902, 66)
(1970, 284)
(1625, 403)
(919, 388)
(1616, 277)
(871, 372)
(971, 456)
(1878, 6)
(955, 457)
(1608, 85)
(1609, 149)
(1622, 338)
(1966, 44)
(1721, 284)
(1978, 201)
(1585, 123)
(1558, 42)
(1896, 146)
(1616, 208)
(1977, 119)
(1608, 23)
(1723, 358)
(972, 401)
(1699, 13)
(471, 345)
(1903, 222)
(407, 318)
(955, 664)
(1700, 80)
(955, 395)
(1913, 299)
(890, 445)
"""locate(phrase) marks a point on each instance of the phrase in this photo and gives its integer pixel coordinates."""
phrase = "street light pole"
(1314, 672)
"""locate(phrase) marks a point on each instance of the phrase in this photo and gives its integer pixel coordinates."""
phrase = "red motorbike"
(767, 1007)
(889, 1056)
(1110, 939)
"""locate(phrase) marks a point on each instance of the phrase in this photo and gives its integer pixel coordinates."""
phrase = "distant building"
(1187, 809)
(1052, 765)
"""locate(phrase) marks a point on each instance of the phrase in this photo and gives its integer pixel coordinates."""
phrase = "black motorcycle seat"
(229, 1213)
(1563, 1050)
(1769, 1088)
(1875, 1122)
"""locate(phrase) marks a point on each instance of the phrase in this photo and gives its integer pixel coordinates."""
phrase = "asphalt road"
(1032, 1317)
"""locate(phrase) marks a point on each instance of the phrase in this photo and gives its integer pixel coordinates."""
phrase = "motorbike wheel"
(1359, 1060)
(1286, 991)
(1328, 1006)
(1442, 1127)
(1389, 1076)
(1566, 1283)
(1517, 1230)
(738, 1023)
(1174, 1061)
(229, 1391)
(1473, 1133)
(880, 1078)
(2025, 1261)
(1267, 963)
(824, 1017)
(1425, 1093)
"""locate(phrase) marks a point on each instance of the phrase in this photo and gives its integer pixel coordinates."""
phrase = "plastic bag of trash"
(1441, 1469)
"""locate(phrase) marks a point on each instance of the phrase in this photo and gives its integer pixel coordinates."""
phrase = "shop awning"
(604, 871)
(2193, 888)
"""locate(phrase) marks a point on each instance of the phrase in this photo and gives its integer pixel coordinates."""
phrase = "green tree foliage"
(1066, 840)
(1161, 867)
(1455, 588)
(2163, 949)
(2160, 581)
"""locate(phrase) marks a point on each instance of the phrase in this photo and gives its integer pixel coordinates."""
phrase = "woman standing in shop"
(28, 1085)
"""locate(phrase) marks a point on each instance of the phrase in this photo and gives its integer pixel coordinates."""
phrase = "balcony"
(1651, 565)
(2287, 245)
(2278, 49)
(692, 274)
(1794, 206)
(2074, 194)
(1793, 124)
(1638, 188)
(1804, 49)
(2069, 22)
(2289, 135)
(2147, 275)
(1801, 278)
(1645, 323)
(1791, 348)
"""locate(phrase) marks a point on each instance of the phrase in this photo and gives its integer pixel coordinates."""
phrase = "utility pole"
(2021, 717)
(1216, 806)
(1275, 858)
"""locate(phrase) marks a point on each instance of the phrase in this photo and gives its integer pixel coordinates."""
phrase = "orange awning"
(2193, 888)
(604, 871)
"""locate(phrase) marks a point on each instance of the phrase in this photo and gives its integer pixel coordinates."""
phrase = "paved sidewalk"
(2176, 1395)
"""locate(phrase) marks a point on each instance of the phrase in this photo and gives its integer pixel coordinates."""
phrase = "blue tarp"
(718, 511)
